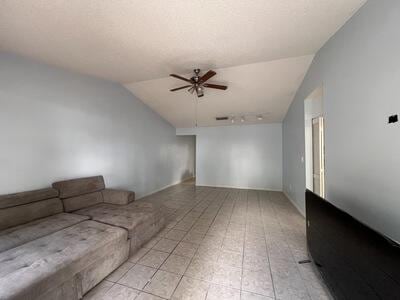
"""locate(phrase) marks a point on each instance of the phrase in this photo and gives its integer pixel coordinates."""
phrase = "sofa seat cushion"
(16, 236)
(127, 216)
(33, 269)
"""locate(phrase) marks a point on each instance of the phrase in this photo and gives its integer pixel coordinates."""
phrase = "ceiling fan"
(198, 83)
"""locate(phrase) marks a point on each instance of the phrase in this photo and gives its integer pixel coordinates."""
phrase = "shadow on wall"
(186, 175)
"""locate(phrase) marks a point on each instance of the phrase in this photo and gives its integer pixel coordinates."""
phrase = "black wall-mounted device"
(393, 119)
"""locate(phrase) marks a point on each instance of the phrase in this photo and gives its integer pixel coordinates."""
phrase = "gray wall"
(248, 156)
(359, 69)
(55, 124)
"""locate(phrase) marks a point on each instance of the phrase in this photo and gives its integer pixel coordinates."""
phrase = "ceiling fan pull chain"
(195, 110)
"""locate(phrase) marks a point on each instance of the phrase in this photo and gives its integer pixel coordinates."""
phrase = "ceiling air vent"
(221, 118)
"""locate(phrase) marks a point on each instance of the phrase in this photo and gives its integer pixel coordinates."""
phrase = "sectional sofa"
(59, 242)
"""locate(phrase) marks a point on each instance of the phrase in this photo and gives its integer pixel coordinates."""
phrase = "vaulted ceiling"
(265, 89)
(260, 49)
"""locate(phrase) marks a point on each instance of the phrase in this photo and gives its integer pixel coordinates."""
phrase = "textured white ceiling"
(136, 40)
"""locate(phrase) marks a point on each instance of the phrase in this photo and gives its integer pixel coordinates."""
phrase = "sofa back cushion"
(27, 197)
(80, 186)
(20, 214)
(82, 201)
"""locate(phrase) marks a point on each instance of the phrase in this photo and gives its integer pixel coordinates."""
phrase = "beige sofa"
(47, 252)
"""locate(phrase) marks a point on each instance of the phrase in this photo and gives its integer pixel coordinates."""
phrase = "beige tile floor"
(219, 244)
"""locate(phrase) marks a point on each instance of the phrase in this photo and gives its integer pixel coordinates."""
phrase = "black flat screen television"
(355, 261)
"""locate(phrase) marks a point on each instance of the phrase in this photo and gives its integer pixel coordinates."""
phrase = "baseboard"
(165, 187)
(239, 187)
(295, 204)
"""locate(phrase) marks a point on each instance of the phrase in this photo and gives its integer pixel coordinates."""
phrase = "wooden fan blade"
(207, 76)
(179, 88)
(181, 78)
(215, 86)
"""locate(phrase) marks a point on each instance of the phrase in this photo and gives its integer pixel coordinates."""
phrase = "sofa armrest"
(119, 197)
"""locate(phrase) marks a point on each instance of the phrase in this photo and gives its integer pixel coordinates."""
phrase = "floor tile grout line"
(181, 276)
(294, 261)
(157, 269)
(140, 291)
(269, 267)
(244, 242)
(188, 267)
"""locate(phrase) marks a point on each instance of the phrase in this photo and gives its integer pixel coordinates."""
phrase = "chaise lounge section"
(89, 197)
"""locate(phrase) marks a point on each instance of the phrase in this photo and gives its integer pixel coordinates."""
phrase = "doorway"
(318, 161)
(315, 142)
(189, 174)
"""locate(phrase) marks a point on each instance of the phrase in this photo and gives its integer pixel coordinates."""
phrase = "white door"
(318, 156)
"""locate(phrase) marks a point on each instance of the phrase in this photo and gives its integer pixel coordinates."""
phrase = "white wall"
(248, 156)
(359, 69)
(55, 124)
